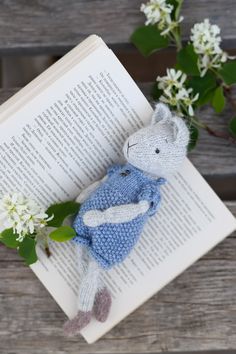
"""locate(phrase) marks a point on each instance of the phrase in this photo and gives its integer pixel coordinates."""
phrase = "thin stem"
(46, 246)
(213, 132)
(216, 73)
(178, 9)
(177, 31)
(228, 94)
(177, 40)
(197, 123)
(172, 38)
(220, 135)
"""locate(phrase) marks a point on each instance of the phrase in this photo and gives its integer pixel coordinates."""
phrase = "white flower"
(156, 11)
(170, 25)
(206, 42)
(175, 93)
(22, 214)
(185, 96)
(172, 79)
(159, 12)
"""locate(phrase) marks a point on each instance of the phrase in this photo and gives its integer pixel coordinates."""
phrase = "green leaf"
(194, 134)
(232, 126)
(187, 60)
(218, 100)
(62, 234)
(8, 238)
(27, 250)
(148, 39)
(61, 211)
(155, 92)
(205, 86)
(207, 98)
(228, 72)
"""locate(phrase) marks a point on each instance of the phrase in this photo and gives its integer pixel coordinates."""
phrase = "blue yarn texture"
(111, 243)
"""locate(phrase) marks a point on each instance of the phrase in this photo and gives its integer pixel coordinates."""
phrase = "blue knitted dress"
(111, 243)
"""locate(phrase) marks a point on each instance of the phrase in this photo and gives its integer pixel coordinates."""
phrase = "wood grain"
(43, 26)
(197, 311)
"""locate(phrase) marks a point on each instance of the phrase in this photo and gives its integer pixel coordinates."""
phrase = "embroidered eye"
(157, 151)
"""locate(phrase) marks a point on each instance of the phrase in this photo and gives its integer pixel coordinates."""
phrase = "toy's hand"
(116, 214)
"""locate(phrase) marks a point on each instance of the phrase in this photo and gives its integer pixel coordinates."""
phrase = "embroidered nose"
(129, 146)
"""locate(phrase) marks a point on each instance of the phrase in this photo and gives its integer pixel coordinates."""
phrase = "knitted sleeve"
(151, 193)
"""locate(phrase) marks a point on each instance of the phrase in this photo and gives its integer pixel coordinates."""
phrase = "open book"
(59, 134)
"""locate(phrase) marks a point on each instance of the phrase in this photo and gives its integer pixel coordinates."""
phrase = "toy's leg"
(102, 303)
(87, 291)
(89, 286)
(82, 259)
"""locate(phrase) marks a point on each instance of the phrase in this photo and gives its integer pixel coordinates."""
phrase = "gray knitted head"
(160, 148)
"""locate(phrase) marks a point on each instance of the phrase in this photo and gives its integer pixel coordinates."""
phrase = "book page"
(62, 141)
(50, 75)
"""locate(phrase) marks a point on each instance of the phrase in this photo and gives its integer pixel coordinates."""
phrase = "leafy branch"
(203, 75)
(28, 225)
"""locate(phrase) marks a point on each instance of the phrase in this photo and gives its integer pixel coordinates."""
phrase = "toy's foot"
(75, 325)
(102, 305)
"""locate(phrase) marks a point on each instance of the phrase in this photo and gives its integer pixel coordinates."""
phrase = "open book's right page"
(190, 221)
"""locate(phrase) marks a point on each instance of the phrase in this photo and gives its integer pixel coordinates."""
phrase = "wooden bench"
(197, 311)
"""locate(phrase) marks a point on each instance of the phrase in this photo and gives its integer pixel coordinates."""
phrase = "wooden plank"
(195, 311)
(214, 157)
(55, 26)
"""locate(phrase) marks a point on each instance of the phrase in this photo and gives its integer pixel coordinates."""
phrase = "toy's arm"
(87, 191)
(116, 214)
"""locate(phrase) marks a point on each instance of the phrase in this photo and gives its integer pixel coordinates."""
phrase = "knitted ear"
(181, 132)
(161, 114)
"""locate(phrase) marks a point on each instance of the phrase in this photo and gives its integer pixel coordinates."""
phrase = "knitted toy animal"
(115, 209)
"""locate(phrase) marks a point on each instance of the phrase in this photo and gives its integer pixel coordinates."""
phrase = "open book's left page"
(64, 139)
